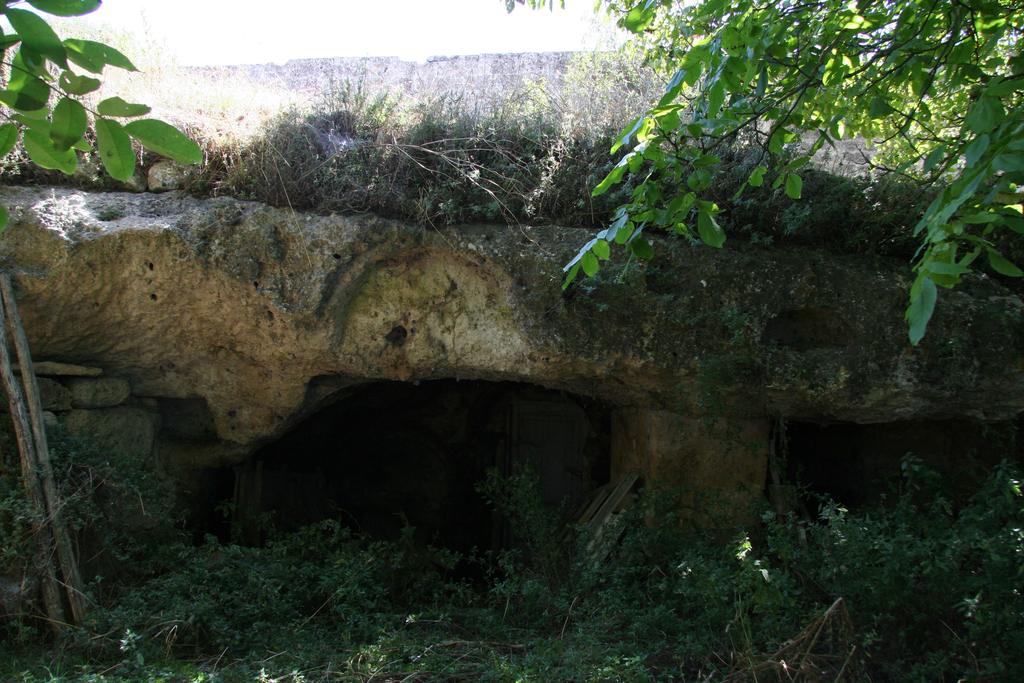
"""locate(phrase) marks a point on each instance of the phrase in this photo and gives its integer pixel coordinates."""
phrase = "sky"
(207, 32)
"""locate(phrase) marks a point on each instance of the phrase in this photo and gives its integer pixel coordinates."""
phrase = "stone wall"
(480, 78)
(98, 408)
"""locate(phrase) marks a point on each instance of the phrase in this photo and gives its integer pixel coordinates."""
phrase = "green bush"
(932, 588)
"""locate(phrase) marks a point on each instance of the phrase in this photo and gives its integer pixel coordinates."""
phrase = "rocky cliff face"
(239, 319)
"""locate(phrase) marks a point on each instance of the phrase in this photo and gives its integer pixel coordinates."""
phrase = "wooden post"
(26, 449)
(51, 497)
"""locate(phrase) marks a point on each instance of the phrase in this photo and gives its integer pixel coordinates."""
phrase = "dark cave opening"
(389, 457)
(858, 464)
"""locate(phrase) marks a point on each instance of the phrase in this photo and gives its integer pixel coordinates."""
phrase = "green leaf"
(710, 232)
(985, 114)
(116, 151)
(25, 91)
(699, 180)
(879, 108)
(922, 304)
(602, 250)
(166, 140)
(974, 150)
(624, 233)
(1009, 162)
(73, 84)
(115, 106)
(641, 248)
(680, 206)
(3, 217)
(705, 160)
(614, 176)
(777, 140)
(627, 134)
(673, 88)
(794, 186)
(1002, 265)
(69, 123)
(44, 154)
(1004, 87)
(37, 35)
(590, 264)
(65, 8)
(716, 96)
(36, 120)
(25, 100)
(570, 275)
(943, 268)
(638, 18)
(8, 138)
(93, 56)
(934, 157)
(756, 178)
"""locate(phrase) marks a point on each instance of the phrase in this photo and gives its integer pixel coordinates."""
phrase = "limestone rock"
(53, 394)
(137, 183)
(124, 430)
(48, 368)
(243, 308)
(16, 593)
(166, 175)
(718, 467)
(100, 392)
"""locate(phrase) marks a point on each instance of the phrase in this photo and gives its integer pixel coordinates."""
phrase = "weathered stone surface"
(16, 594)
(101, 392)
(717, 466)
(50, 420)
(240, 307)
(53, 395)
(124, 430)
(166, 175)
(49, 368)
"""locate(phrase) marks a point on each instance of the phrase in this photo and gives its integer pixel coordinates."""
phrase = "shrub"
(932, 588)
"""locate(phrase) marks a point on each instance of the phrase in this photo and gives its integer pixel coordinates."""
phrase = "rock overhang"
(241, 305)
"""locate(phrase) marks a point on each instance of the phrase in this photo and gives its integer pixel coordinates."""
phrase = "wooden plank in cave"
(604, 528)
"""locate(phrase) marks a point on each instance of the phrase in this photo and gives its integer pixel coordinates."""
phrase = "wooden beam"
(51, 496)
(33, 488)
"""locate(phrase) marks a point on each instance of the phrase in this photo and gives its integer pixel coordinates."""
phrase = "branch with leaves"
(935, 87)
(43, 92)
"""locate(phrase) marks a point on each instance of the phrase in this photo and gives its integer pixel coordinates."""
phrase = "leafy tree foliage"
(935, 85)
(44, 92)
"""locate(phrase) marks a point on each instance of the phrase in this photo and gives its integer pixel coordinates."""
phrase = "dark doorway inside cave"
(392, 457)
(859, 464)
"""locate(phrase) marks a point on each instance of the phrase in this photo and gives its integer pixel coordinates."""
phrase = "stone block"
(101, 392)
(166, 175)
(53, 394)
(717, 466)
(125, 430)
(48, 368)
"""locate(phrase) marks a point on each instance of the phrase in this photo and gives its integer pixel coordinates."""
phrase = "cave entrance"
(385, 457)
(858, 464)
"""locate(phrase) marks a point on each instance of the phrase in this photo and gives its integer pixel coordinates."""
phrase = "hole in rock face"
(397, 335)
(392, 455)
